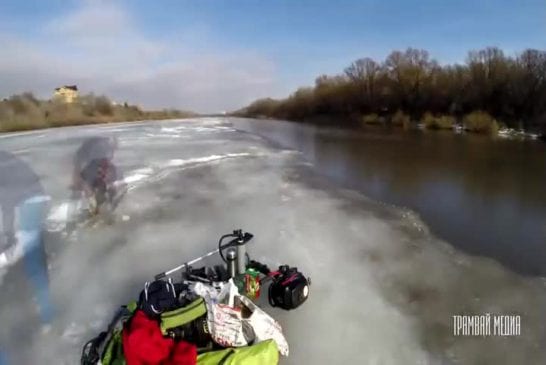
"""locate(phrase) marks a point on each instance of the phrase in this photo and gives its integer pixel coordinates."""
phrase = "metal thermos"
(241, 257)
(231, 257)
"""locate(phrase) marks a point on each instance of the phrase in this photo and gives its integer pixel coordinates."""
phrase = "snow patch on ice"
(182, 162)
(173, 129)
(134, 178)
(144, 171)
(59, 215)
(74, 333)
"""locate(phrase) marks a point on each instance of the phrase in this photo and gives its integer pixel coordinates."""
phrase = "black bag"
(289, 288)
(157, 297)
(195, 332)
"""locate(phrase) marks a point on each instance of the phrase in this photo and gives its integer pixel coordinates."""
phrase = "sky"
(219, 55)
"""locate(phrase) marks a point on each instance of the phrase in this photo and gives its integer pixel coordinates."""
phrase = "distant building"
(67, 93)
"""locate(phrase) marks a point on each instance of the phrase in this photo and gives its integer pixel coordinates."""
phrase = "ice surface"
(181, 162)
(383, 288)
(134, 178)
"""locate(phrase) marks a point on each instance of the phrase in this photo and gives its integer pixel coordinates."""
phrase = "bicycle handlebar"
(239, 238)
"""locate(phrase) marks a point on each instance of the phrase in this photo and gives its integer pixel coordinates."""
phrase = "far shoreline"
(351, 123)
(83, 124)
(25, 112)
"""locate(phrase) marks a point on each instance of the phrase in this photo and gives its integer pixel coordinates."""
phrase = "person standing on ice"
(24, 207)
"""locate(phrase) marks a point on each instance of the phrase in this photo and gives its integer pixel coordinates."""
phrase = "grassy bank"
(474, 122)
(26, 112)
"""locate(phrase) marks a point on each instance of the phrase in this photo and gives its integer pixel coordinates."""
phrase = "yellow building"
(67, 93)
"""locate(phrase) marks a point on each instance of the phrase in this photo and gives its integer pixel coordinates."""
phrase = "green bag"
(182, 316)
(113, 352)
(107, 347)
(263, 353)
(113, 355)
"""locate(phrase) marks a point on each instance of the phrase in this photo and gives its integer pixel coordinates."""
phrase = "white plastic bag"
(264, 326)
(226, 326)
(223, 293)
(224, 321)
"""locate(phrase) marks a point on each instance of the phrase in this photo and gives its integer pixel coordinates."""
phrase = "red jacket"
(143, 344)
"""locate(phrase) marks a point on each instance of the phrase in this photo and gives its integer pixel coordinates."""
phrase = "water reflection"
(483, 195)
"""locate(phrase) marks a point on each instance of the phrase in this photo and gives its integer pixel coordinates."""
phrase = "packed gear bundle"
(207, 317)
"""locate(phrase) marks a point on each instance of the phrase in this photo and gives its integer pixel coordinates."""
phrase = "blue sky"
(212, 55)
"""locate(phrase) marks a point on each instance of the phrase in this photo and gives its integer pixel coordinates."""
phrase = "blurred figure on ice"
(95, 178)
(24, 208)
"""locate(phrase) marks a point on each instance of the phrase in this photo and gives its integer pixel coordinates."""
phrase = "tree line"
(25, 112)
(409, 86)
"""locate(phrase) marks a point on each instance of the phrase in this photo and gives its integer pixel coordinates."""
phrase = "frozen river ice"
(384, 289)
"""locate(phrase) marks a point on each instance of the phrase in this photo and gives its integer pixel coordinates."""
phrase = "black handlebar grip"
(262, 268)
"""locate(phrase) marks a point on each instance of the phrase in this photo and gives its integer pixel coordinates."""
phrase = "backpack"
(107, 347)
(263, 353)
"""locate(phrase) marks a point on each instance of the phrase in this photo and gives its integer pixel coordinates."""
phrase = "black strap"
(90, 353)
(226, 356)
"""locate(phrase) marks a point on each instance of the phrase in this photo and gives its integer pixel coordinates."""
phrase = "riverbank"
(25, 112)
(472, 123)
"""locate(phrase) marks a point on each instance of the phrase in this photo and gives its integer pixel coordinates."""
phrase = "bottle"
(231, 257)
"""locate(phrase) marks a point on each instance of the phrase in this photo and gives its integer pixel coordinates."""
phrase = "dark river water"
(485, 196)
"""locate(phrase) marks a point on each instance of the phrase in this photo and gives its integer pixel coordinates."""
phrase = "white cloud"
(100, 48)
(94, 19)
